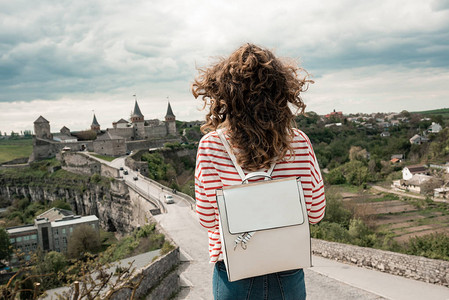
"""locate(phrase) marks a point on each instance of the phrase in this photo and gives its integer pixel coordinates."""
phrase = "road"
(143, 184)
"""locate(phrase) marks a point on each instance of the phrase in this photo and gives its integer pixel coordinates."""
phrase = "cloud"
(379, 89)
(74, 51)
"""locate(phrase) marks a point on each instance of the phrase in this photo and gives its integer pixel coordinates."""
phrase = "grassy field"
(403, 217)
(12, 149)
(444, 112)
(441, 111)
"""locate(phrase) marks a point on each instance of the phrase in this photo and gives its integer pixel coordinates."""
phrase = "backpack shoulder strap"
(225, 143)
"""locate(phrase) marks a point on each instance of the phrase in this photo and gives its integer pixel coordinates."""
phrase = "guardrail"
(189, 199)
(144, 194)
(186, 197)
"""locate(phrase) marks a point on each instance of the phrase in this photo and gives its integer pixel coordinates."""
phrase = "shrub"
(335, 212)
(335, 176)
(330, 232)
(435, 245)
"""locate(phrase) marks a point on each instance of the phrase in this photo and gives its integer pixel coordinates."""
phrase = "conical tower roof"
(41, 120)
(169, 111)
(95, 122)
(137, 112)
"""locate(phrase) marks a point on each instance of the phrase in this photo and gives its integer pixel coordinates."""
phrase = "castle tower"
(42, 129)
(138, 122)
(170, 121)
(137, 116)
(95, 126)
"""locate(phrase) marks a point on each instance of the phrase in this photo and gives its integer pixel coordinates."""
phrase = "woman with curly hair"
(250, 96)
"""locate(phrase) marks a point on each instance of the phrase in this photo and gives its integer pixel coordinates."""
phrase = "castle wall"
(47, 148)
(147, 144)
(126, 133)
(156, 131)
(139, 130)
(80, 163)
(42, 130)
(171, 127)
(114, 147)
(83, 164)
(44, 149)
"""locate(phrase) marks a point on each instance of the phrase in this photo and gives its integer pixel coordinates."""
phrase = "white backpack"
(264, 226)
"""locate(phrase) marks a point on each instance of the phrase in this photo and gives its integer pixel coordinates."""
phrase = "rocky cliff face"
(109, 203)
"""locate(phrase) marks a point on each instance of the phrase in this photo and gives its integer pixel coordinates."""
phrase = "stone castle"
(123, 137)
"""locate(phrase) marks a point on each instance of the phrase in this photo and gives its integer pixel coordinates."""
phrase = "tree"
(357, 153)
(335, 176)
(335, 211)
(356, 172)
(51, 264)
(5, 249)
(83, 239)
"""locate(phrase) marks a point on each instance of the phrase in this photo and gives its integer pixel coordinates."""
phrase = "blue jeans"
(283, 286)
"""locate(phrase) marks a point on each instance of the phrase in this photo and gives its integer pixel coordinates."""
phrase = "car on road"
(121, 168)
(169, 199)
(125, 172)
(135, 178)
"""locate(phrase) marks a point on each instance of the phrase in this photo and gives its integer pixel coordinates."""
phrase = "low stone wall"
(410, 266)
(160, 279)
(146, 144)
(81, 163)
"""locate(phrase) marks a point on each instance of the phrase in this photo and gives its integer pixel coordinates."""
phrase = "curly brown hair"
(250, 94)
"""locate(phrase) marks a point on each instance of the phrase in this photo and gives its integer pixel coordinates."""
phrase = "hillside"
(15, 148)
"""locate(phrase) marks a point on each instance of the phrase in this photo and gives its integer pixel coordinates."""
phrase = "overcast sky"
(65, 59)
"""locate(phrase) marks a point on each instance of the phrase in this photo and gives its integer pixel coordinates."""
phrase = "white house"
(418, 140)
(409, 171)
(435, 128)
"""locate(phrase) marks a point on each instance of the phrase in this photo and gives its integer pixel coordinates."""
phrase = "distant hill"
(441, 111)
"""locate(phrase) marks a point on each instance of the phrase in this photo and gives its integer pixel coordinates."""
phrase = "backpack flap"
(263, 205)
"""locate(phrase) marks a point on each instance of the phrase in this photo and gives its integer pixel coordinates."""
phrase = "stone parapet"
(415, 267)
(160, 279)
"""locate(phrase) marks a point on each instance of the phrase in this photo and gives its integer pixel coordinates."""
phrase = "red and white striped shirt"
(214, 170)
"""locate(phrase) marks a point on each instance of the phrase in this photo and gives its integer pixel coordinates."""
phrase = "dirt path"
(379, 188)
(404, 194)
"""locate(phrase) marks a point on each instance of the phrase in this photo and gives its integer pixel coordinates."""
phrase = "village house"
(337, 114)
(394, 122)
(434, 128)
(418, 140)
(415, 183)
(396, 158)
(442, 192)
(332, 124)
(409, 171)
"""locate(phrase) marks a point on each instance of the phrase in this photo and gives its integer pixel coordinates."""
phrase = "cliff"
(108, 199)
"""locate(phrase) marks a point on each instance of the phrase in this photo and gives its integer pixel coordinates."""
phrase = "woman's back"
(214, 169)
(250, 96)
